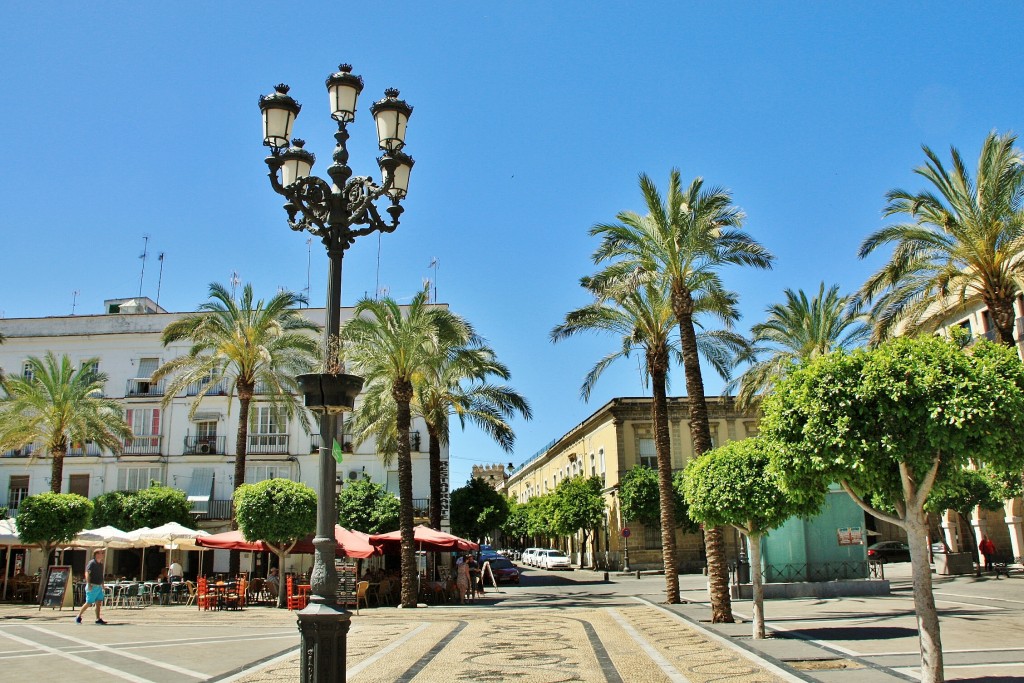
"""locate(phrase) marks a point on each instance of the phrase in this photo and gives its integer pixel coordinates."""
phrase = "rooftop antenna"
(74, 300)
(433, 264)
(160, 278)
(235, 281)
(143, 255)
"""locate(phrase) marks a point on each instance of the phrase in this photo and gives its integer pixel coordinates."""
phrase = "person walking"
(93, 586)
(988, 549)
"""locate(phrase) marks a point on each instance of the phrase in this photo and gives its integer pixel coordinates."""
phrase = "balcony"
(214, 509)
(421, 507)
(218, 389)
(90, 450)
(205, 445)
(141, 445)
(143, 387)
(267, 444)
(24, 452)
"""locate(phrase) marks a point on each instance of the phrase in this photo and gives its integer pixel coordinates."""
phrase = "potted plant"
(330, 390)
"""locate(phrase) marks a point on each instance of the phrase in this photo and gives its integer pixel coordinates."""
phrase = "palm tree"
(963, 240)
(683, 241)
(798, 330)
(58, 405)
(239, 345)
(395, 350)
(644, 321)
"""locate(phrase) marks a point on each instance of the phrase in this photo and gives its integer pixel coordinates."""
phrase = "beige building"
(619, 435)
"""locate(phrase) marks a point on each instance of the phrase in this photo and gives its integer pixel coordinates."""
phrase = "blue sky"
(531, 123)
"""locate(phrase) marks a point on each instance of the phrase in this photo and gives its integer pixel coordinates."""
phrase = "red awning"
(427, 539)
(350, 543)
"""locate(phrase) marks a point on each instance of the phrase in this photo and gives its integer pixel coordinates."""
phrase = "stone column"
(1015, 525)
(950, 527)
(980, 525)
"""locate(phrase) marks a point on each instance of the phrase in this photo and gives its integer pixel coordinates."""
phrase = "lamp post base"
(324, 630)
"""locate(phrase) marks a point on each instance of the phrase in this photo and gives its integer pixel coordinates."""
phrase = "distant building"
(494, 475)
(194, 454)
(617, 436)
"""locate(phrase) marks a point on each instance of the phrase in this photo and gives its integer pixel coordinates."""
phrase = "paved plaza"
(553, 628)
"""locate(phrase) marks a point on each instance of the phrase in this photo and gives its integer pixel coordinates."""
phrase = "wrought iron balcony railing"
(142, 445)
(218, 389)
(205, 445)
(142, 386)
(420, 507)
(263, 444)
(87, 450)
(213, 509)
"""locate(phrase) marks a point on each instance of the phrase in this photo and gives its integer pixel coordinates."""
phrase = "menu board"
(58, 580)
(346, 568)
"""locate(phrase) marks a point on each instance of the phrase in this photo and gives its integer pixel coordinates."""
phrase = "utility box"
(953, 564)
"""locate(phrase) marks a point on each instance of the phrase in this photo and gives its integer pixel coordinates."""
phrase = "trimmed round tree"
(113, 508)
(579, 506)
(159, 505)
(893, 422)
(278, 512)
(477, 509)
(368, 507)
(51, 520)
(734, 485)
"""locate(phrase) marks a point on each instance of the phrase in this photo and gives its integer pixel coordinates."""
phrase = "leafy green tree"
(113, 508)
(734, 485)
(896, 421)
(517, 524)
(396, 349)
(477, 509)
(59, 406)
(579, 507)
(51, 520)
(368, 507)
(962, 240)
(797, 330)
(540, 511)
(278, 512)
(962, 492)
(641, 500)
(158, 505)
(239, 345)
(683, 241)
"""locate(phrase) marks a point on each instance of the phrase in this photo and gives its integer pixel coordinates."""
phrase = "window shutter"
(156, 422)
(128, 416)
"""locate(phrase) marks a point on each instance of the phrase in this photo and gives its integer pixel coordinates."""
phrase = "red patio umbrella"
(350, 543)
(426, 539)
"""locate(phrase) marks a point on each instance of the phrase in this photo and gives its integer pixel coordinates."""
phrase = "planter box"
(954, 563)
(328, 393)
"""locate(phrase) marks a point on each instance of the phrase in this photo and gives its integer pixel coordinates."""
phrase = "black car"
(889, 551)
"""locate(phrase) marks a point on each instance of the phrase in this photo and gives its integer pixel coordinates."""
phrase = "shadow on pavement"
(851, 633)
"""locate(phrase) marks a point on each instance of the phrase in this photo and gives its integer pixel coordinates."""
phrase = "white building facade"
(194, 454)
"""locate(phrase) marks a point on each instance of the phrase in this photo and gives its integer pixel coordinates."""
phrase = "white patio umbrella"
(104, 537)
(174, 535)
(10, 538)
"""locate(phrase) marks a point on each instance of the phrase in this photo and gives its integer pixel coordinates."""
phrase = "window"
(136, 478)
(26, 372)
(144, 422)
(392, 484)
(593, 465)
(648, 453)
(268, 428)
(79, 483)
(147, 366)
(93, 367)
(600, 455)
(652, 537)
(257, 473)
(17, 491)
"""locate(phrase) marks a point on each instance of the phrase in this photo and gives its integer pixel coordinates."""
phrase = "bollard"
(638, 573)
(606, 577)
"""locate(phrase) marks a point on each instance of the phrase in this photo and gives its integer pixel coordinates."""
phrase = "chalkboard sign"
(58, 580)
(346, 568)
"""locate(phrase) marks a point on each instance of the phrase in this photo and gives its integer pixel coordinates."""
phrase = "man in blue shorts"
(93, 585)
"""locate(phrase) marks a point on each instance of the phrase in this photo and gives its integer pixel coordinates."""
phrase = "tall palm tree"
(963, 240)
(58, 405)
(237, 345)
(643, 319)
(395, 350)
(798, 329)
(683, 241)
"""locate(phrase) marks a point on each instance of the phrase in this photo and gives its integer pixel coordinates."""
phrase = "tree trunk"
(924, 600)
(975, 551)
(658, 366)
(57, 468)
(434, 449)
(402, 393)
(241, 448)
(282, 583)
(757, 583)
(1004, 318)
(700, 433)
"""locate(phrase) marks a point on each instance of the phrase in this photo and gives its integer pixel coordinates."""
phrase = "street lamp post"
(337, 212)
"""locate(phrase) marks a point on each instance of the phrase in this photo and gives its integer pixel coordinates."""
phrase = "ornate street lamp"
(333, 212)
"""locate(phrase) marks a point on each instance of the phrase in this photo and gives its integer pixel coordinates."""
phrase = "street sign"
(625, 533)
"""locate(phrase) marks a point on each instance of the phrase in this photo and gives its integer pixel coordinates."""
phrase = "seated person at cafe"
(175, 573)
(273, 583)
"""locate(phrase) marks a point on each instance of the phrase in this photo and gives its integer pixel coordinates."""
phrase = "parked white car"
(528, 556)
(554, 559)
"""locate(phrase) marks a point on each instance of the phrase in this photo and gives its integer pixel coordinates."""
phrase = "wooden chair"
(361, 588)
(191, 588)
(384, 592)
(235, 599)
(204, 600)
(294, 600)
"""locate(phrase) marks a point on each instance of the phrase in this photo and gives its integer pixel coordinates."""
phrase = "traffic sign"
(625, 533)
